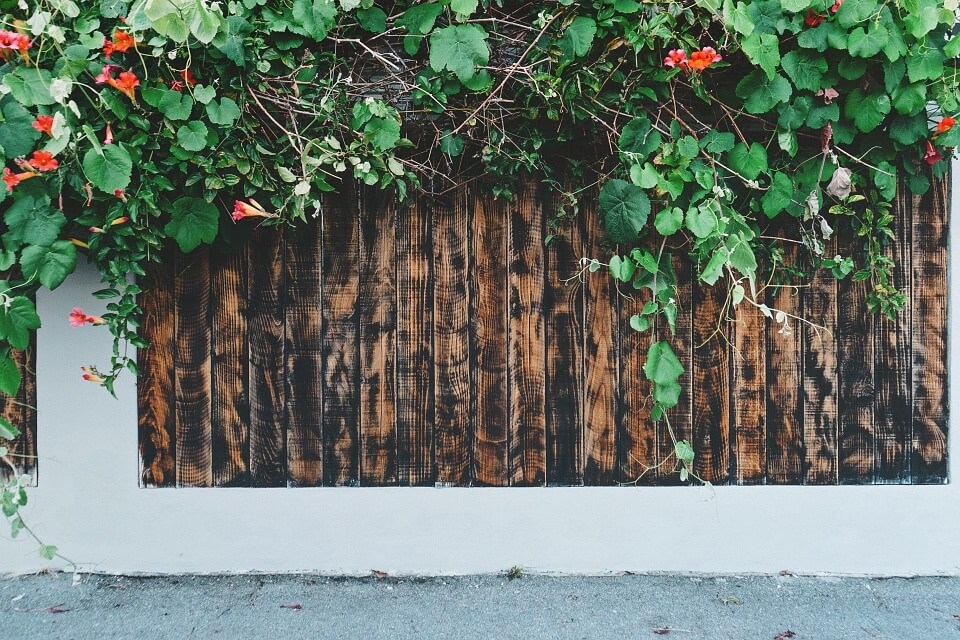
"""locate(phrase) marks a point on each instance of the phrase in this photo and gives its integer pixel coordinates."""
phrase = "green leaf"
(460, 49)
(910, 99)
(662, 365)
(805, 70)
(717, 141)
(779, 196)
(113, 8)
(737, 16)
(373, 19)
(669, 220)
(171, 18)
(625, 210)
(7, 430)
(795, 6)
(639, 137)
(31, 220)
(51, 265)
(742, 257)
(30, 86)
(420, 18)
(383, 133)
(821, 114)
(110, 170)
(794, 115)
(193, 221)
(645, 177)
(578, 37)
(908, 131)
(175, 105)
(761, 94)
(9, 376)
(205, 25)
(688, 147)
(763, 50)
(866, 44)
(639, 323)
(193, 135)
(702, 221)
(924, 63)
(853, 12)
(232, 45)
(866, 111)
(684, 452)
(204, 94)
(923, 20)
(463, 8)
(18, 320)
(17, 134)
(48, 551)
(314, 18)
(224, 113)
(750, 161)
(622, 268)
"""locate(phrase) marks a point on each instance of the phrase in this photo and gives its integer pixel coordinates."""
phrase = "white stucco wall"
(88, 503)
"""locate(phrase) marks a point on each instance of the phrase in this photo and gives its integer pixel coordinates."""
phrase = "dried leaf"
(57, 608)
(783, 635)
(379, 575)
(829, 95)
(295, 607)
(662, 631)
(840, 185)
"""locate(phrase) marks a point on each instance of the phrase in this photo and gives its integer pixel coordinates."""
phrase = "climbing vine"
(126, 125)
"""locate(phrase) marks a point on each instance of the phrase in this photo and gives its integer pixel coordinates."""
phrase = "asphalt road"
(484, 607)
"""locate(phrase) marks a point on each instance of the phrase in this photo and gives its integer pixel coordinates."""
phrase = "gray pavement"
(495, 607)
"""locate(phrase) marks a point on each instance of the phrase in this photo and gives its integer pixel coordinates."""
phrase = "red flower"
(836, 6)
(188, 77)
(243, 210)
(176, 85)
(126, 84)
(945, 124)
(44, 124)
(13, 179)
(676, 57)
(108, 48)
(13, 41)
(106, 74)
(122, 196)
(122, 41)
(90, 374)
(78, 318)
(932, 155)
(43, 161)
(700, 60)
(813, 19)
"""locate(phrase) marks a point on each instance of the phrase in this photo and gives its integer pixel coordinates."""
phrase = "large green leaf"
(193, 221)
(420, 18)
(866, 110)
(31, 220)
(9, 376)
(702, 221)
(866, 44)
(30, 86)
(750, 161)
(171, 18)
(17, 135)
(192, 136)
(51, 265)
(109, 169)
(175, 105)
(9, 432)
(763, 50)
(578, 37)
(804, 70)
(761, 94)
(464, 8)
(459, 48)
(314, 18)
(17, 320)
(924, 63)
(625, 209)
(639, 137)
(225, 112)
(662, 365)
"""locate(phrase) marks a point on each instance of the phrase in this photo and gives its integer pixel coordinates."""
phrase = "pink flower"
(676, 57)
(78, 318)
(700, 60)
(243, 210)
(932, 156)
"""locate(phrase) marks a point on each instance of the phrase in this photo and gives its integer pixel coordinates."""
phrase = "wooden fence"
(439, 343)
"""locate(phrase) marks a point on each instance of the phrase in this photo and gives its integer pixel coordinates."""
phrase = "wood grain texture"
(268, 456)
(599, 363)
(20, 411)
(711, 385)
(415, 378)
(489, 327)
(378, 336)
(563, 311)
(451, 303)
(303, 354)
(156, 424)
(855, 373)
(820, 412)
(230, 411)
(192, 348)
(929, 317)
(748, 389)
(525, 339)
(341, 339)
(784, 397)
(892, 357)
(638, 451)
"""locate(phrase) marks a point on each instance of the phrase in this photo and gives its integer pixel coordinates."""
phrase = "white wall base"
(89, 505)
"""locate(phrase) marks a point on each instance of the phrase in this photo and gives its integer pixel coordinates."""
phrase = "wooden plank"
(341, 339)
(638, 451)
(415, 409)
(268, 458)
(748, 384)
(784, 398)
(892, 354)
(157, 426)
(230, 414)
(681, 416)
(304, 357)
(563, 330)
(929, 318)
(378, 334)
(452, 340)
(855, 358)
(489, 328)
(820, 411)
(600, 370)
(20, 411)
(527, 388)
(711, 384)
(192, 366)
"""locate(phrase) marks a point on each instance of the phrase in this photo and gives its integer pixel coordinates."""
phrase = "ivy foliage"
(128, 124)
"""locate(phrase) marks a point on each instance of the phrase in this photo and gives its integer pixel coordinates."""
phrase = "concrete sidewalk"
(483, 607)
